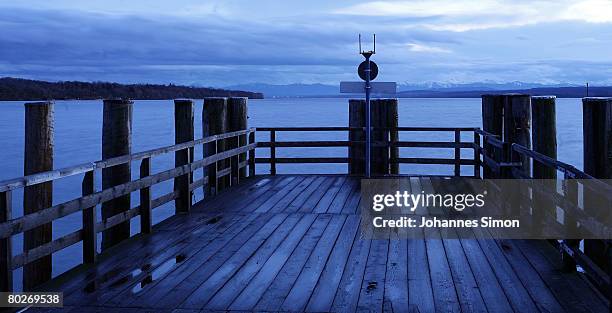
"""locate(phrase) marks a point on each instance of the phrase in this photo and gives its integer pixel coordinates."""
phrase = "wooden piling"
(544, 140)
(384, 117)
(517, 125)
(183, 132)
(544, 134)
(116, 141)
(597, 140)
(492, 122)
(6, 251)
(237, 112)
(356, 151)
(214, 122)
(38, 158)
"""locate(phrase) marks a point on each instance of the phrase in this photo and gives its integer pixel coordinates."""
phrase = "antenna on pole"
(360, 43)
(374, 43)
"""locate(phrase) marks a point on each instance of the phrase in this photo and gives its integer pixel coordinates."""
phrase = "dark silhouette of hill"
(25, 89)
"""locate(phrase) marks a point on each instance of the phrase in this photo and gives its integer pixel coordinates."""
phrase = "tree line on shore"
(25, 89)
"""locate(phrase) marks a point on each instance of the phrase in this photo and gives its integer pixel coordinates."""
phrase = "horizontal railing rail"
(457, 144)
(501, 159)
(47, 176)
(90, 199)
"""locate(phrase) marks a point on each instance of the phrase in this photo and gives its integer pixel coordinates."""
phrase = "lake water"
(78, 131)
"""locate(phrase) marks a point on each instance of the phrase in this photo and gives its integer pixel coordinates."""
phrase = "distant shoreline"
(17, 89)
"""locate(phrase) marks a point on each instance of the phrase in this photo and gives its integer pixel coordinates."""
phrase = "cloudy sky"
(220, 43)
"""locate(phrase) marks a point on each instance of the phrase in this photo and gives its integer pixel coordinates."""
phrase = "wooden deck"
(291, 243)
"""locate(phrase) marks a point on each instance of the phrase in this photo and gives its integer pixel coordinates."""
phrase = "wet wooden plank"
(240, 267)
(259, 284)
(298, 296)
(278, 195)
(322, 297)
(476, 285)
(341, 197)
(198, 249)
(323, 204)
(347, 295)
(297, 203)
(225, 296)
(273, 297)
(263, 195)
(109, 286)
(351, 206)
(540, 293)
(309, 205)
(218, 272)
(373, 284)
(396, 281)
(571, 291)
(420, 292)
(281, 205)
(445, 296)
(194, 273)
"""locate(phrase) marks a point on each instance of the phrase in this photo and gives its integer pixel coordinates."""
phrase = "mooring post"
(214, 122)
(544, 140)
(492, 122)
(384, 121)
(544, 134)
(356, 150)
(238, 120)
(517, 125)
(393, 124)
(116, 141)
(6, 251)
(38, 158)
(597, 140)
(183, 132)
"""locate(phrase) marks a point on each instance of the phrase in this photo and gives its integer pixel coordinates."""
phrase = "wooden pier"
(291, 242)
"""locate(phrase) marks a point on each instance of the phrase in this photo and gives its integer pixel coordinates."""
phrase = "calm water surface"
(78, 131)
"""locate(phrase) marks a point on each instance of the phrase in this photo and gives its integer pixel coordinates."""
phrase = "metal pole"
(368, 117)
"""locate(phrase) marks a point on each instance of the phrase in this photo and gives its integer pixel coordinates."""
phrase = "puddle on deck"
(158, 273)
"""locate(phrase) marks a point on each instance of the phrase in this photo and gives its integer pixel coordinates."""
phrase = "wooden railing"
(505, 161)
(456, 145)
(91, 198)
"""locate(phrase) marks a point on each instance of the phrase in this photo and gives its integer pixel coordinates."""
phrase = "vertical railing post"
(146, 221)
(457, 152)
(38, 157)
(183, 132)
(273, 152)
(6, 251)
(476, 155)
(252, 155)
(214, 182)
(116, 141)
(570, 191)
(90, 236)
